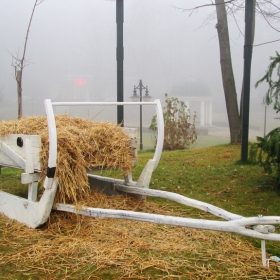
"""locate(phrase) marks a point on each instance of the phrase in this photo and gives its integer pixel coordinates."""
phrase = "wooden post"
(264, 262)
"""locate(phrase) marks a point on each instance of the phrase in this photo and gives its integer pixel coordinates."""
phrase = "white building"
(197, 97)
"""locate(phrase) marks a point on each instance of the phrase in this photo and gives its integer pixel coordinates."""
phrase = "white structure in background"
(197, 96)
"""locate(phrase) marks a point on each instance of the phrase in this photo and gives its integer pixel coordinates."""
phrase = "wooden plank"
(132, 133)
(52, 134)
(146, 175)
(33, 190)
(27, 178)
(227, 226)
(263, 248)
(209, 208)
(13, 156)
(11, 141)
(52, 144)
(28, 155)
(31, 213)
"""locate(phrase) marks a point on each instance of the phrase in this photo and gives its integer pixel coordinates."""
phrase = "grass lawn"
(74, 247)
(202, 141)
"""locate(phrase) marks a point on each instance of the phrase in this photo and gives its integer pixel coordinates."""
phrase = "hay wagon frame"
(22, 151)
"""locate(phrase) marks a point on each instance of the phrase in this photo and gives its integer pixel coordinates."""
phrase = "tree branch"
(37, 2)
(192, 10)
(265, 16)
(236, 23)
(19, 64)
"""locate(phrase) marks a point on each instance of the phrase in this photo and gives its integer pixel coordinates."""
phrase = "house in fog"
(197, 96)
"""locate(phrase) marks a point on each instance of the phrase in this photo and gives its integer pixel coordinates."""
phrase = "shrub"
(266, 151)
(179, 128)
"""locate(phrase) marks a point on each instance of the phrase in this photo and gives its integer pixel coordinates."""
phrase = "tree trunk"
(227, 73)
(19, 91)
(20, 63)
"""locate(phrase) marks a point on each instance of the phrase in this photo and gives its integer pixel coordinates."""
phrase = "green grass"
(215, 175)
(210, 140)
(212, 174)
(10, 182)
(202, 141)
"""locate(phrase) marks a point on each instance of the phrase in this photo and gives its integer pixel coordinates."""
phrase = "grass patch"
(10, 182)
(201, 142)
(76, 247)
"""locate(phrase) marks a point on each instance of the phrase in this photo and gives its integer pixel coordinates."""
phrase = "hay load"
(82, 145)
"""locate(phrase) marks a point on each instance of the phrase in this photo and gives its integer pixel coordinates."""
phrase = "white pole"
(210, 113)
(264, 262)
(202, 113)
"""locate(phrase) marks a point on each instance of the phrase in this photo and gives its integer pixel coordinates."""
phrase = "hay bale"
(82, 144)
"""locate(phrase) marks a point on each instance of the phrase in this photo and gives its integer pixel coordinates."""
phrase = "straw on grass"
(88, 248)
(82, 144)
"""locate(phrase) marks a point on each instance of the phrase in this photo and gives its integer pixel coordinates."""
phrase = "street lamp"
(265, 105)
(135, 97)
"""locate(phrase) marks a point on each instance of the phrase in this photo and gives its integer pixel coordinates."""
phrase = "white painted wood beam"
(209, 208)
(30, 213)
(7, 150)
(227, 226)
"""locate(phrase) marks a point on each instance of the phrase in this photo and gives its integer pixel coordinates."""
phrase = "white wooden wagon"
(22, 151)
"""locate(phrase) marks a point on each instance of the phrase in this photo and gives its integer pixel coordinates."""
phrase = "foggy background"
(73, 40)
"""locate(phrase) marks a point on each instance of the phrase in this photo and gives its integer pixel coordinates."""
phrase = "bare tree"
(20, 63)
(267, 9)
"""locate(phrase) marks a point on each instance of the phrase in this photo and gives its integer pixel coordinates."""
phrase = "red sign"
(80, 81)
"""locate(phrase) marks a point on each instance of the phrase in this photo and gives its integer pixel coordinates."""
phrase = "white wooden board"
(9, 150)
(133, 134)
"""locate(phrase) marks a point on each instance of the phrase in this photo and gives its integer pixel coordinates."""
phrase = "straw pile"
(71, 246)
(82, 144)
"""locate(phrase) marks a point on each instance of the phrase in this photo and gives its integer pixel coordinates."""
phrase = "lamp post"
(135, 97)
(264, 127)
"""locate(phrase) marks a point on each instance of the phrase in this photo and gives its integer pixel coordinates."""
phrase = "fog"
(76, 39)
